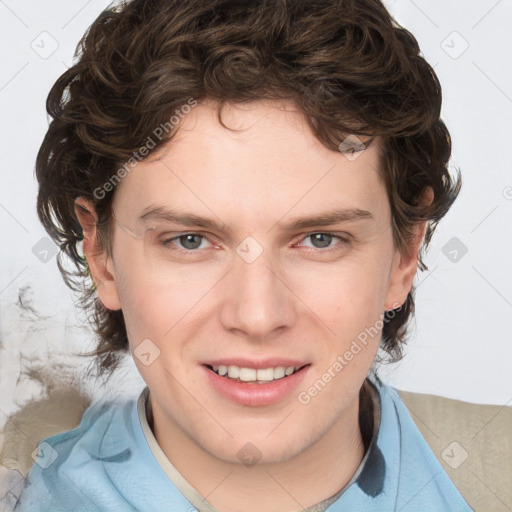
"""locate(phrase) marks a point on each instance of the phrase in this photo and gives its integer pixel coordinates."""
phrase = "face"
(263, 288)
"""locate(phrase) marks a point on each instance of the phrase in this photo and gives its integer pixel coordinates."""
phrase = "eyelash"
(343, 241)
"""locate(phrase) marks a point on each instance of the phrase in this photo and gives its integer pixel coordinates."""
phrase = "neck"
(310, 477)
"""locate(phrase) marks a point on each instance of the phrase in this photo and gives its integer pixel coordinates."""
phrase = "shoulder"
(103, 464)
(414, 475)
(73, 456)
(61, 410)
(472, 442)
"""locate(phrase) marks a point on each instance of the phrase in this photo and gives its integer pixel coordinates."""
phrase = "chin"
(264, 447)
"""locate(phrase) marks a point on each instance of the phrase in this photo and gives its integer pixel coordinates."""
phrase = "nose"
(258, 302)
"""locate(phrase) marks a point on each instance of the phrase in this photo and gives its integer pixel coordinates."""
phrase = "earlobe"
(84, 211)
(405, 264)
(403, 271)
(100, 263)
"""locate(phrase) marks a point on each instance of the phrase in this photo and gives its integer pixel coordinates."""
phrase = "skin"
(293, 301)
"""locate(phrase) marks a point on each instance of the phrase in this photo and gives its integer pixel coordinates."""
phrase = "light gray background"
(461, 345)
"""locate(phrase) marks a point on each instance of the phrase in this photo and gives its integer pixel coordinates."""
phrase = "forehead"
(269, 164)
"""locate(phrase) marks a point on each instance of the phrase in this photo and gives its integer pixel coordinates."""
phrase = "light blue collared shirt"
(112, 462)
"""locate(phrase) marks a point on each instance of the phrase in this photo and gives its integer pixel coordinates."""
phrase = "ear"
(405, 264)
(100, 263)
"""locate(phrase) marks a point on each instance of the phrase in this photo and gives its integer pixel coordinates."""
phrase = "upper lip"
(260, 364)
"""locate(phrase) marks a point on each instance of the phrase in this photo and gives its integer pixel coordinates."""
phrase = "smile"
(261, 375)
(256, 387)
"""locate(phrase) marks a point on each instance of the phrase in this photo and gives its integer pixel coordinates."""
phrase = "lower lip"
(253, 394)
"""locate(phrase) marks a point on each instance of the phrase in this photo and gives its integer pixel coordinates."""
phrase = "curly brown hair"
(346, 64)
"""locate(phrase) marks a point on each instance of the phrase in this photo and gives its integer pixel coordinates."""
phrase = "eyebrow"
(295, 223)
(185, 219)
(327, 218)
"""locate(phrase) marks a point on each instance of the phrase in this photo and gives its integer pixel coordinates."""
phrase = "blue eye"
(324, 240)
(187, 241)
(191, 242)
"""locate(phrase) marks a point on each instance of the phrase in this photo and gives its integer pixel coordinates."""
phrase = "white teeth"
(233, 372)
(266, 374)
(247, 374)
(261, 375)
(279, 372)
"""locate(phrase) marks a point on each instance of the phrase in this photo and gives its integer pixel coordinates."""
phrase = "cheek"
(158, 302)
(348, 295)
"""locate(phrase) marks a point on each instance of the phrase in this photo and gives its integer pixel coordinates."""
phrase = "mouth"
(242, 383)
(255, 375)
